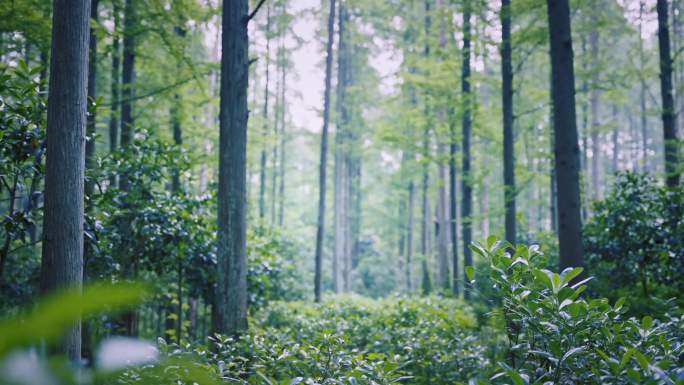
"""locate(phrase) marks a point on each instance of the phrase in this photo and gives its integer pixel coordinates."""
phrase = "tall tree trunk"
(62, 257)
(425, 208)
(565, 134)
(92, 96)
(127, 80)
(443, 223)
(263, 158)
(594, 101)
(176, 129)
(668, 115)
(467, 202)
(409, 236)
(615, 138)
(585, 131)
(283, 142)
(320, 229)
(115, 90)
(642, 92)
(231, 317)
(341, 172)
(507, 103)
(452, 202)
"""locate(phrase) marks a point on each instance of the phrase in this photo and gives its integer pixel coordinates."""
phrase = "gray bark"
(320, 229)
(507, 103)
(62, 257)
(231, 301)
(668, 115)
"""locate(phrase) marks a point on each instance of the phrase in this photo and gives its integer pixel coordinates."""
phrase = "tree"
(263, 157)
(507, 103)
(566, 148)
(115, 87)
(92, 96)
(62, 258)
(320, 228)
(668, 112)
(467, 202)
(231, 290)
(127, 80)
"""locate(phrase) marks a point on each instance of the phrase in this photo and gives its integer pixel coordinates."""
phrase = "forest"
(357, 192)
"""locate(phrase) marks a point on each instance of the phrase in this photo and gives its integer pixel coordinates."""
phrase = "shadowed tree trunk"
(668, 110)
(594, 102)
(409, 236)
(62, 257)
(507, 103)
(231, 301)
(127, 80)
(92, 96)
(320, 230)
(283, 142)
(566, 147)
(642, 93)
(467, 202)
(116, 77)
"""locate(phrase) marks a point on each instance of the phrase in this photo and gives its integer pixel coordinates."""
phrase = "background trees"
(422, 126)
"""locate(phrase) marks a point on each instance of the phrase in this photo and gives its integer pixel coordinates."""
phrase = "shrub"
(557, 336)
(635, 242)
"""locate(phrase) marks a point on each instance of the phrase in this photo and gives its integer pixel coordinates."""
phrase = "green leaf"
(470, 272)
(569, 274)
(641, 359)
(647, 322)
(619, 303)
(516, 377)
(56, 312)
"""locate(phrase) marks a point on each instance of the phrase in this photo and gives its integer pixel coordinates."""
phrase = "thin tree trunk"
(127, 80)
(231, 317)
(92, 96)
(176, 130)
(668, 116)
(615, 139)
(595, 94)
(642, 93)
(62, 257)
(320, 230)
(283, 142)
(409, 236)
(263, 161)
(565, 134)
(467, 202)
(507, 103)
(116, 77)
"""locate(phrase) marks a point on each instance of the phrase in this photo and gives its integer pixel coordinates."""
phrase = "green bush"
(556, 336)
(634, 243)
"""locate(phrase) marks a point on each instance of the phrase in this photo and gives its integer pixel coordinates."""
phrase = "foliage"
(557, 336)
(22, 147)
(47, 321)
(635, 242)
(353, 340)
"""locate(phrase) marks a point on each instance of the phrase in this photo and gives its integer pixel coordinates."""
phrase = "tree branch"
(254, 12)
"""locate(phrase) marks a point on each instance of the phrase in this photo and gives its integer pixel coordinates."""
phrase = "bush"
(635, 243)
(557, 336)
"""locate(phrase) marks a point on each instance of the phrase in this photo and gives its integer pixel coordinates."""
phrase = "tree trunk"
(594, 102)
(92, 96)
(565, 135)
(62, 257)
(283, 142)
(642, 93)
(176, 130)
(409, 236)
(127, 80)
(668, 110)
(507, 103)
(467, 202)
(231, 303)
(320, 230)
(615, 138)
(116, 76)
(425, 209)
(263, 160)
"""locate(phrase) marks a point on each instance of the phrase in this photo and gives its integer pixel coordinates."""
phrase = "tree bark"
(594, 102)
(320, 229)
(231, 317)
(263, 157)
(115, 88)
(62, 257)
(668, 110)
(507, 103)
(467, 203)
(127, 80)
(566, 147)
(92, 96)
